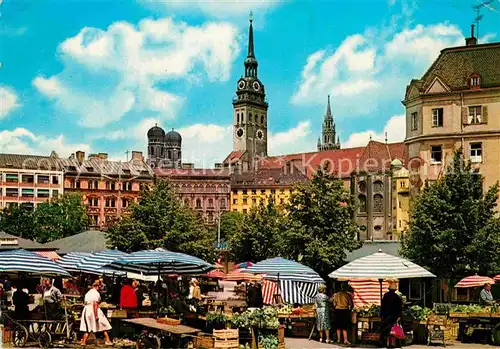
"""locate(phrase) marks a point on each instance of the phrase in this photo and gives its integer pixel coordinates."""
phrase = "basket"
(168, 321)
(204, 340)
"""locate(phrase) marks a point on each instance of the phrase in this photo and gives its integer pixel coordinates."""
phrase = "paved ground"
(299, 343)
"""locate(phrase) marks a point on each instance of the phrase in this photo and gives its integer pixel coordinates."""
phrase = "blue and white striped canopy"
(295, 292)
(154, 262)
(285, 269)
(70, 260)
(96, 263)
(22, 261)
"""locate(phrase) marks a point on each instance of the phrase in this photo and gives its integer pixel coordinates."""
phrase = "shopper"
(343, 304)
(128, 297)
(323, 307)
(93, 319)
(390, 311)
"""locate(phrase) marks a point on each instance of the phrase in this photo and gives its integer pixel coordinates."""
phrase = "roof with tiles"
(266, 177)
(234, 157)
(455, 65)
(193, 172)
(30, 162)
(132, 168)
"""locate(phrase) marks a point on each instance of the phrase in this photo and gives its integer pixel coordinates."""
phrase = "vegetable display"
(372, 311)
(269, 341)
(266, 317)
(418, 313)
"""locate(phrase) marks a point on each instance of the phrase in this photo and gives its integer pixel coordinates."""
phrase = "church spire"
(329, 139)
(250, 62)
(328, 109)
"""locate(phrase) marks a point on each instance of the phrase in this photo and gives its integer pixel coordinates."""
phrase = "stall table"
(477, 321)
(154, 333)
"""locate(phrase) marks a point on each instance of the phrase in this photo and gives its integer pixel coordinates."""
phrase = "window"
(282, 201)
(273, 191)
(415, 292)
(235, 201)
(198, 203)
(256, 118)
(235, 191)
(362, 203)
(245, 211)
(211, 203)
(27, 179)
(249, 117)
(244, 201)
(43, 193)
(254, 191)
(262, 119)
(210, 217)
(436, 153)
(414, 121)
(476, 152)
(378, 203)
(152, 150)
(238, 118)
(11, 178)
(110, 185)
(94, 220)
(127, 186)
(110, 202)
(93, 185)
(254, 201)
(475, 81)
(263, 191)
(75, 184)
(125, 203)
(29, 206)
(55, 179)
(27, 193)
(475, 115)
(244, 192)
(94, 202)
(223, 204)
(43, 179)
(55, 193)
(437, 117)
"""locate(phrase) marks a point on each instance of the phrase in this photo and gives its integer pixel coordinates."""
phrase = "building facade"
(400, 198)
(250, 112)
(257, 187)
(107, 187)
(28, 180)
(205, 190)
(454, 106)
(329, 139)
(164, 150)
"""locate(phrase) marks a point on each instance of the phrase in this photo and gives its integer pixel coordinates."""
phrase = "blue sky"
(95, 75)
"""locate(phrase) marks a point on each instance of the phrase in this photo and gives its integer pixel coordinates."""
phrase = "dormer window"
(475, 81)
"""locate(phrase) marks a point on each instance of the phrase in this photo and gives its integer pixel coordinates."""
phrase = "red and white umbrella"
(240, 275)
(215, 274)
(474, 281)
(497, 278)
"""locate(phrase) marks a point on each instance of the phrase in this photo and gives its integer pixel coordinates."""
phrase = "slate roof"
(193, 172)
(21, 243)
(29, 162)
(132, 168)
(88, 241)
(455, 65)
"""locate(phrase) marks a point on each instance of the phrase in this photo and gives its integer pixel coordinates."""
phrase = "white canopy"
(380, 266)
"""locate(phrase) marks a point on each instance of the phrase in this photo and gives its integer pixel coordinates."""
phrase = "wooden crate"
(460, 315)
(227, 334)
(6, 335)
(117, 314)
(495, 315)
(483, 314)
(204, 340)
(168, 321)
(370, 337)
(226, 343)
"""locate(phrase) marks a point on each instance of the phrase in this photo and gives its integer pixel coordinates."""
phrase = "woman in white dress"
(93, 319)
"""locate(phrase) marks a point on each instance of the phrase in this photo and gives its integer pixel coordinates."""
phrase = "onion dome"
(173, 137)
(156, 132)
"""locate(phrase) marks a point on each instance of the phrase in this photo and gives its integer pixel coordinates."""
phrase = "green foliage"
(231, 223)
(320, 225)
(160, 219)
(60, 217)
(217, 317)
(259, 235)
(267, 317)
(452, 228)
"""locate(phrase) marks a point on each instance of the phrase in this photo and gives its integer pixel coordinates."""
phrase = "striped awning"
(96, 263)
(70, 260)
(269, 290)
(366, 292)
(154, 262)
(52, 255)
(474, 281)
(22, 261)
(284, 269)
(294, 292)
(239, 275)
(380, 265)
(215, 274)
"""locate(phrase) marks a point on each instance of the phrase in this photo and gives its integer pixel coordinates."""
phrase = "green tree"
(452, 224)
(259, 236)
(18, 221)
(60, 217)
(160, 219)
(230, 223)
(320, 224)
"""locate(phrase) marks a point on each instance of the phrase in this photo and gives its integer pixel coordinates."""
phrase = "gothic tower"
(329, 139)
(250, 111)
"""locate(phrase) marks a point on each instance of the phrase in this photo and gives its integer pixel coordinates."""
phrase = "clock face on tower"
(241, 85)
(260, 134)
(239, 133)
(256, 86)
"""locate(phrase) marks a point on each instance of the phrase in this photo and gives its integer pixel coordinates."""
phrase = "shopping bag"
(397, 331)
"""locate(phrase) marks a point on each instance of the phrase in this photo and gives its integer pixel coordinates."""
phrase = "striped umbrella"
(70, 260)
(380, 266)
(240, 275)
(497, 278)
(22, 261)
(284, 269)
(243, 265)
(154, 262)
(366, 292)
(474, 281)
(215, 274)
(96, 263)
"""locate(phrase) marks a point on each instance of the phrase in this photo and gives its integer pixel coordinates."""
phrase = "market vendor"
(20, 300)
(195, 291)
(52, 297)
(128, 297)
(485, 297)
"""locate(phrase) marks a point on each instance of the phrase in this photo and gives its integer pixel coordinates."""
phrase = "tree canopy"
(452, 229)
(160, 219)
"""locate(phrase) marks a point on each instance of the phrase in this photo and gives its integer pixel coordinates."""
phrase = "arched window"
(238, 118)
(262, 119)
(169, 154)
(378, 186)
(378, 203)
(249, 117)
(362, 186)
(362, 203)
(162, 151)
(210, 202)
(256, 118)
(222, 203)
(198, 203)
(152, 151)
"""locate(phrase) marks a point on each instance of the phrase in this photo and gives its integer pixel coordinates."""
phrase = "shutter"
(465, 116)
(485, 114)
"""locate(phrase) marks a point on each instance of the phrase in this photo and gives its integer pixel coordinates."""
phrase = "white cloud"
(395, 128)
(294, 140)
(365, 72)
(219, 8)
(23, 141)
(109, 73)
(8, 101)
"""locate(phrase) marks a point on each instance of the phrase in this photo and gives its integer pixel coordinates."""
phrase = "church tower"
(329, 139)
(250, 111)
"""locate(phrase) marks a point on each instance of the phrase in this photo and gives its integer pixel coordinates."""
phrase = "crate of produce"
(204, 340)
(479, 314)
(226, 334)
(459, 315)
(300, 329)
(495, 315)
(226, 343)
(6, 335)
(168, 321)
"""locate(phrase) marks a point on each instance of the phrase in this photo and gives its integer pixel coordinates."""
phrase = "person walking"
(342, 304)
(391, 311)
(323, 307)
(93, 319)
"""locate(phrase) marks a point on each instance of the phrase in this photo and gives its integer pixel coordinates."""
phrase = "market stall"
(378, 266)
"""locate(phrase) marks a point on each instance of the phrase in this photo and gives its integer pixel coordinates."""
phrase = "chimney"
(472, 41)
(93, 157)
(103, 156)
(137, 156)
(80, 156)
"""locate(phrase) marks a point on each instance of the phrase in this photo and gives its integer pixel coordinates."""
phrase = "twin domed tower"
(164, 150)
